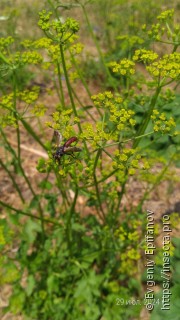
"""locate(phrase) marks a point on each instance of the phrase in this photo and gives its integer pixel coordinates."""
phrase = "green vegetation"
(79, 245)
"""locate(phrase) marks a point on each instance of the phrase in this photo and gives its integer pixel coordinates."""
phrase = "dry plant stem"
(28, 214)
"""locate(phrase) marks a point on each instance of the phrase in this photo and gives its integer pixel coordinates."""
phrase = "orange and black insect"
(66, 148)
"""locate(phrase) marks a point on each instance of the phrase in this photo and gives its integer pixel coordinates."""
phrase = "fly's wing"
(70, 150)
(57, 138)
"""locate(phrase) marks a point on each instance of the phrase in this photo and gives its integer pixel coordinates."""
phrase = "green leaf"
(52, 284)
(17, 302)
(45, 184)
(34, 202)
(30, 230)
(30, 284)
(174, 308)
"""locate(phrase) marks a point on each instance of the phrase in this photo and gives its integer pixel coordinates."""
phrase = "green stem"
(96, 184)
(175, 47)
(8, 146)
(77, 98)
(157, 182)
(28, 214)
(145, 123)
(13, 181)
(80, 75)
(4, 58)
(16, 117)
(82, 79)
(62, 189)
(31, 131)
(60, 86)
(102, 180)
(26, 179)
(140, 133)
(68, 84)
(97, 45)
(70, 92)
(123, 189)
(69, 220)
(34, 194)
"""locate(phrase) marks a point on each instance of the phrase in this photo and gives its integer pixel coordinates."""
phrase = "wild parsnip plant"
(74, 264)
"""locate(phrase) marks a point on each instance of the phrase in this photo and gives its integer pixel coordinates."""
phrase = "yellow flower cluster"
(161, 123)
(121, 233)
(121, 117)
(7, 111)
(29, 96)
(165, 29)
(131, 40)
(76, 48)
(128, 266)
(175, 220)
(126, 159)
(55, 29)
(28, 57)
(125, 67)
(7, 105)
(5, 43)
(39, 110)
(166, 67)
(168, 14)
(10, 275)
(129, 261)
(145, 56)
(63, 122)
(96, 134)
(102, 99)
(42, 43)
